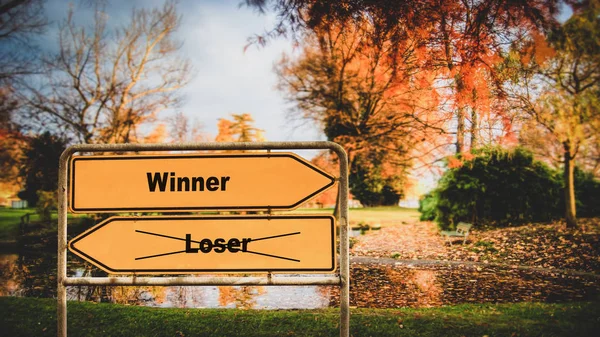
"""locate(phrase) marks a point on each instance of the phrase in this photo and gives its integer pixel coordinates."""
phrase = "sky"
(228, 79)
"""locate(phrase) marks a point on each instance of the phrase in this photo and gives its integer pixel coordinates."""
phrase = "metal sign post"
(186, 240)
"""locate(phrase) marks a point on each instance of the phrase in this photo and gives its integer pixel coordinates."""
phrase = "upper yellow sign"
(242, 181)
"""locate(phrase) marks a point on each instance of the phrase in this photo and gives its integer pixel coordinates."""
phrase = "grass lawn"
(10, 219)
(92, 319)
(386, 215)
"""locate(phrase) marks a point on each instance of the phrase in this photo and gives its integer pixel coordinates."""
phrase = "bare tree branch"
(102, 85)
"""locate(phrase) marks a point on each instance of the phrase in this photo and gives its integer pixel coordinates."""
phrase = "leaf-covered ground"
(395, 286)
(533, 263)
(550, 246)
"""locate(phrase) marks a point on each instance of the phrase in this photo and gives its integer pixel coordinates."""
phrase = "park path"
(415, 240)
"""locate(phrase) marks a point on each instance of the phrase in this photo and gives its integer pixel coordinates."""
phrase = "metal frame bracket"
(342, 280)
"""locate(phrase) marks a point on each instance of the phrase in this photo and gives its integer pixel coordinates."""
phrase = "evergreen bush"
(587, 194)
(497, 187)
(427, 207)
(46, 204)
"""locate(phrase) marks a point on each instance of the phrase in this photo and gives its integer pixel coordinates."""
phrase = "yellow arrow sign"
(192, 244)
(249, 181)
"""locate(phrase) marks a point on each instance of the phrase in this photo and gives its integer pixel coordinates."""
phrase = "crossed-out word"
(219, 245)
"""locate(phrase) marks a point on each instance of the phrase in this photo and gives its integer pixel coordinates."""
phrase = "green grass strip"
(37, 317)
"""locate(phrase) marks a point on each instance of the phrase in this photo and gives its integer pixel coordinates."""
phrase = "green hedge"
(498, 187)
(587, 194)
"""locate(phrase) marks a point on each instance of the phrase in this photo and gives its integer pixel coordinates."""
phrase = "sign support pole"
(61, 293)
(344, 247)
(342, 281)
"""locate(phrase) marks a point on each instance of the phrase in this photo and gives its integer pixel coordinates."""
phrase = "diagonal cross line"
(226, 246)
(275, 236)
(269, 255)
(165, 236)
(157, 255)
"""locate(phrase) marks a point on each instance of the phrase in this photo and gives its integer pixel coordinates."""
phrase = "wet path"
(436, 283)
(428, 263)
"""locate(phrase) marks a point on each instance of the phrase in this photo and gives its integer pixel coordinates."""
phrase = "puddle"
(34, 275)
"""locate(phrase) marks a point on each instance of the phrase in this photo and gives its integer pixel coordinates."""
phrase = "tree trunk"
(460, 130)
(474, 129)
(568, 176)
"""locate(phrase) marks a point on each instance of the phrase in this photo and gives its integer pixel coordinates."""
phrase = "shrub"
(351, 242)
(494, 186)
(587, 194)
(46, 203)
(498, 187)
(371, 188)
(427, 207)
(39, 166)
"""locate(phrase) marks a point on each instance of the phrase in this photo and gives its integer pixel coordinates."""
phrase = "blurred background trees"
(39, 166)
(403, 86)
(21, 22)
(497, 72)
(102, 85)
(373, 103)
(240, 128)
(556, 86)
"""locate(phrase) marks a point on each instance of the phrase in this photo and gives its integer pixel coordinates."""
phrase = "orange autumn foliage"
(365, 100)
(239, 129)
(461, 41)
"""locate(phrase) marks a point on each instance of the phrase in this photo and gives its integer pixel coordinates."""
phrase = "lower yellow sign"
(195, 244)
